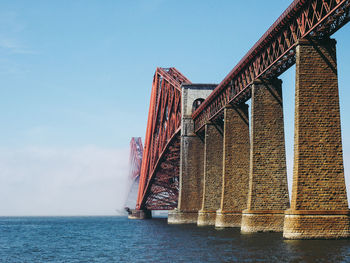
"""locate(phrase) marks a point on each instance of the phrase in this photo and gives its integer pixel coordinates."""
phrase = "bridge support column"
(235, 179)
(212, 176)
(140, 214)
(191, 157)
(191, 181)
(268, 192)
(319, 207)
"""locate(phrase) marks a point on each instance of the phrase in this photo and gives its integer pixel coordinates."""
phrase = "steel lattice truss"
(158, 188)
(274, 53)
(135, 158)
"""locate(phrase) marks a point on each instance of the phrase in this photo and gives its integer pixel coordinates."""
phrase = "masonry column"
(191, 181)
(212, 175)
(139, 214)
(268, 192)
(235, 179)
(191, 157)
(319, 207)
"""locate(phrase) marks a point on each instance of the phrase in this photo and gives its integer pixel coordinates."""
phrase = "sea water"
(118, 239)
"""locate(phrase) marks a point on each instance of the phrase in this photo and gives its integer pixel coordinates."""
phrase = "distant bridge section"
(135, 160)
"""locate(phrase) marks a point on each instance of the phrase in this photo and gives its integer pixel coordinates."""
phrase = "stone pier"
(235, 178)
(191, 157)
(268, 192)
(212, 175)
(140, 214)
(319, 206)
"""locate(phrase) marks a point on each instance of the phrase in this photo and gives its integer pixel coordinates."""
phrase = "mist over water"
(117, 239)
(131, 197)
(86, 180)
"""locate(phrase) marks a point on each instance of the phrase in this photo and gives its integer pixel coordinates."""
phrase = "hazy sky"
(75, 82)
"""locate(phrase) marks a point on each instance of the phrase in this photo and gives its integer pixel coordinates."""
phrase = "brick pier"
(319, 206)
(191, 158)
(268, 193)
(235, 166)
(212, 176)
(140, 214)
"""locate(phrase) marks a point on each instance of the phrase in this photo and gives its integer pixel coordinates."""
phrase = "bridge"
(135, 159)
(209, 164)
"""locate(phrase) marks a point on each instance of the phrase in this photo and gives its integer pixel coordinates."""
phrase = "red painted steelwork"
(158, 187)
(274, 53)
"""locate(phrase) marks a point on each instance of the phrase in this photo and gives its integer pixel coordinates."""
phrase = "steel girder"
(274, 53)
(158, 187)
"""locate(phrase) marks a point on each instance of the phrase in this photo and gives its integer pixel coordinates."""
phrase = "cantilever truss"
(158, 187)
(135, 158)
(274, 53)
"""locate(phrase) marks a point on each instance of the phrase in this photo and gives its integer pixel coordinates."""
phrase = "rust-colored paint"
(158, 188)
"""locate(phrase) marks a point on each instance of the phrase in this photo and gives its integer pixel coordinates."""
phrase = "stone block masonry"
(191, 181)
(235, 179)
(319, 205)
(268, 192)
(212, 175)
(191, 158)
(140, 214)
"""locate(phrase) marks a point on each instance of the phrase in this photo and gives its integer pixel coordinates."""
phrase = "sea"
(118, 239)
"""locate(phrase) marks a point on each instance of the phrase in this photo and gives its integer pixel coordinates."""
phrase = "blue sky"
(75, 82)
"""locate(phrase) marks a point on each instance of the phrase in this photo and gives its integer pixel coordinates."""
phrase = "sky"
(75, 84)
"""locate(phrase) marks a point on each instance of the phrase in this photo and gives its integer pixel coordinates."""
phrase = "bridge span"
(209, 164)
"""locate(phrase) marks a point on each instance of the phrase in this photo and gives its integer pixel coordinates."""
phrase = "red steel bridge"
(159, 181)
(135, 160)
(272, 55)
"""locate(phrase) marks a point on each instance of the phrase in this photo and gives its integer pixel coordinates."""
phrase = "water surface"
(117, 239)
